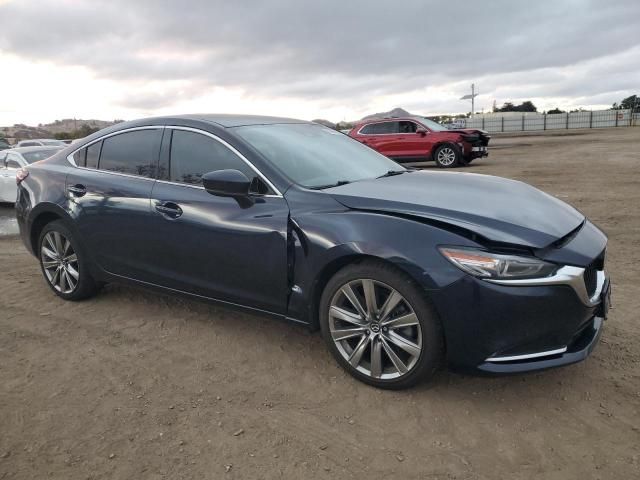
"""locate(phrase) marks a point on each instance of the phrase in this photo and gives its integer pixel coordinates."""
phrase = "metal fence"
(539, 121)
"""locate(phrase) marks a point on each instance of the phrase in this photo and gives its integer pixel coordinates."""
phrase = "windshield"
(38, 155)
(314, 156)
(431, 125)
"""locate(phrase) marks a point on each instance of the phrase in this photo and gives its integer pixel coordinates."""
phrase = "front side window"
(433, 126)
(406, 126)
(132, 153)
(314, 156)
(380, 128)
(194, 154)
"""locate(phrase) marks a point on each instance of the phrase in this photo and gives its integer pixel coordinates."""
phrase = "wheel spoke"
(73, 272)
(342, 314)
(351, 295)
(52, 244)
(69, 280)
(345, 333)
(390, 303)
(370, 297)
(73, 258)
(397, 362)
(401, 342)
(58, 242)
(400, 322)
(376, 357)
(48, 265)
(49, 253)
(55, 277)
(356, 355)
(63, 280)
(65, 248)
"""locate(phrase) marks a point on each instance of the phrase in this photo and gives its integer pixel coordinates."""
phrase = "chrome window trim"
(512, 358)
(126, 130)
(200, 187)
(359, 132)
(234, 150)
(567, 275)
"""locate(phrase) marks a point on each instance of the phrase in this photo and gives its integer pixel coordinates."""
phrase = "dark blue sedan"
(401, 270)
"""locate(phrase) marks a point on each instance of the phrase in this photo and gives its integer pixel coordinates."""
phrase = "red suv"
(416, 139)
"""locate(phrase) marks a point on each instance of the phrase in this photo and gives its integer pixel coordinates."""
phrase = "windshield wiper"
(391, 173)
(331, 185)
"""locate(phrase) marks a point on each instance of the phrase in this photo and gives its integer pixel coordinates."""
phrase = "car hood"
(495, 208)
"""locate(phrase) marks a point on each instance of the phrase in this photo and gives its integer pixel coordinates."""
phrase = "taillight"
(21, 175)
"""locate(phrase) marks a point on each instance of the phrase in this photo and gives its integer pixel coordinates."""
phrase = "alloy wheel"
(375, 329)
(446, 156)
(59, 262)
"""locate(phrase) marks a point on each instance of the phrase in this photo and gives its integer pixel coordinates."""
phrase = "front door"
(217, 247)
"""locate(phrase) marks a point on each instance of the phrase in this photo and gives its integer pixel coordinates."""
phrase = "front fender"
(326, 242)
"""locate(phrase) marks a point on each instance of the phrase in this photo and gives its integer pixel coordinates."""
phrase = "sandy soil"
(137, 385)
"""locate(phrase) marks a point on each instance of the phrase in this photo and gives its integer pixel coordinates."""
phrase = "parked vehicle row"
(401, 270)
(417, 139)
(12, 160)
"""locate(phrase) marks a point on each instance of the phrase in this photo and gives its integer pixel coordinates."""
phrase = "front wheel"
(379, 326)
(448, 156)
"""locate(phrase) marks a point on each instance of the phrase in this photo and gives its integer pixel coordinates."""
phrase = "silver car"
(41, 142)
(14, 159)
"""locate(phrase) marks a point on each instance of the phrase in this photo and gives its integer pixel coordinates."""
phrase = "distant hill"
(324, 122)
(69, 127)
(396, 112)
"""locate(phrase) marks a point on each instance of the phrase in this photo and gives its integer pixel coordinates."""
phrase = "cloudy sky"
(334, 59)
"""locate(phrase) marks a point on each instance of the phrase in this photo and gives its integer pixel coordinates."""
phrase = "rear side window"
(93, 154)
(194, 154)
(380, 128)
(132, 152)
(80, 157)
(29, 144)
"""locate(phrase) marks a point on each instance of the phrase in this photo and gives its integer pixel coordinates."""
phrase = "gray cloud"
(337, 51)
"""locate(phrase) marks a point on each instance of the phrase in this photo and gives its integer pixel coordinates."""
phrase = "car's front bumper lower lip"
(580, 348)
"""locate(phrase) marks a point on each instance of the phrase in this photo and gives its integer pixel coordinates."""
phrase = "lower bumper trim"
(577, 351)
(514, 358)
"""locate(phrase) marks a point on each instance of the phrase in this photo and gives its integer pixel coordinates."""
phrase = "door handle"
(170, 209)
(77, 190)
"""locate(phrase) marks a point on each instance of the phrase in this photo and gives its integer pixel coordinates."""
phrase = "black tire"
(429, 332)
(448, 155)
(85, 285)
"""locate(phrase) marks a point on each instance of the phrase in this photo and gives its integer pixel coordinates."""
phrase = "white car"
(14, 159)
(41, 142)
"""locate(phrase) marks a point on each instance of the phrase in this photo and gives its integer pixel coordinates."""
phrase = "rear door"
(109, 196)
(219, 247)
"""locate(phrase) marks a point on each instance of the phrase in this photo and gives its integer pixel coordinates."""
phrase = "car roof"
(39, 148)
(218, 119)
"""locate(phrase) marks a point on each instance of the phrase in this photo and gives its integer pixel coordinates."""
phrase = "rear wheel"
(448, 156)
(379, 326)
(63, 264)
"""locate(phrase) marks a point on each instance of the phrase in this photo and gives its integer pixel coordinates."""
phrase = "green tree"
(526, 106)
(556, 110)
(629, 103)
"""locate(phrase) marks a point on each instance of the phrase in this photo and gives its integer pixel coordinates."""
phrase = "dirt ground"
(136, 385)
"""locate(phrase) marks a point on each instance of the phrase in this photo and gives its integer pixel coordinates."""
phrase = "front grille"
(591, 274)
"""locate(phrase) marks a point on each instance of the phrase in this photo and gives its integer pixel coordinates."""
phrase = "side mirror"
(226, 183)
(421, 131)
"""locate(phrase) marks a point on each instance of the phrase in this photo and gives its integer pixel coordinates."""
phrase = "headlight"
(483, 264)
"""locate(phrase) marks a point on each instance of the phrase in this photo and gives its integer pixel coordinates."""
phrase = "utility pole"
(472, 97)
